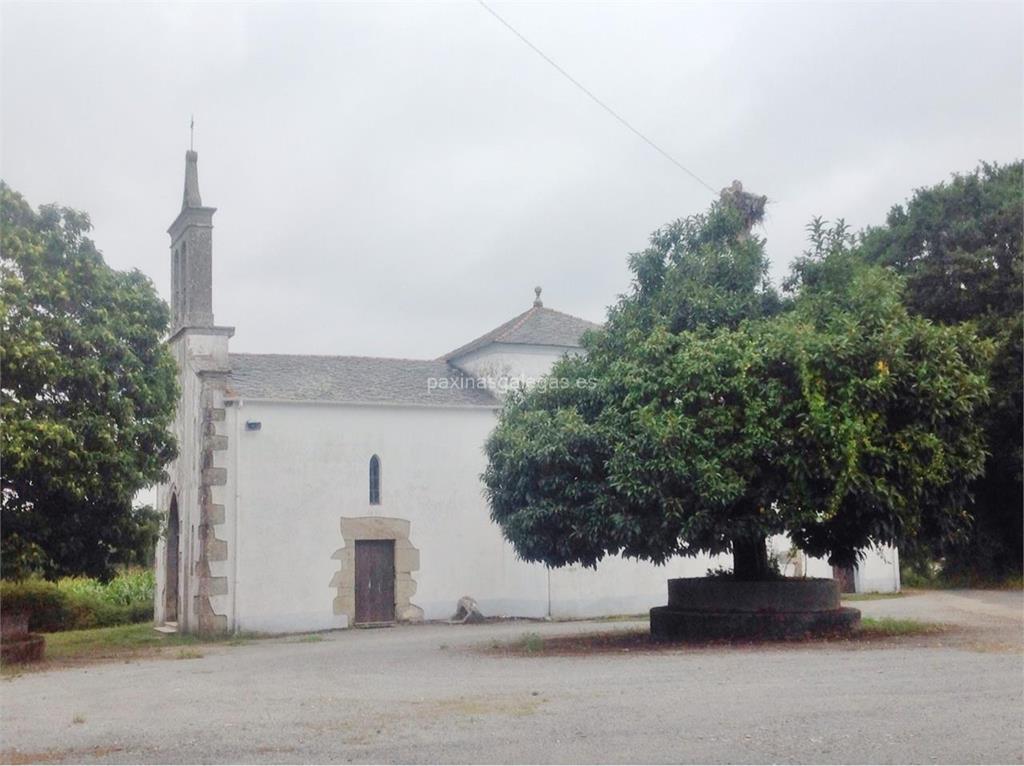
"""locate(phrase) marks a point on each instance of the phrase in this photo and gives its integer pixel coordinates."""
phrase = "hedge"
(79, 602)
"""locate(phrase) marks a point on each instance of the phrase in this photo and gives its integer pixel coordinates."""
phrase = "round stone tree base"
(713, 608)
(25, 648)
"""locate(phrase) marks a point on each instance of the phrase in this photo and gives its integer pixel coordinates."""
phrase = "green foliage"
(47, 607)
(722, 415)
(933, 575)
(125, 588)
(891, 627)
(958, 246)
(89, 392)
(131, 587)
(872, 596)
(532, 643)
(706, 270)
(75, 603)
(122, 641)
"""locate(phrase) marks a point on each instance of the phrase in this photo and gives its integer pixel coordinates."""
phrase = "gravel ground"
(430, 694)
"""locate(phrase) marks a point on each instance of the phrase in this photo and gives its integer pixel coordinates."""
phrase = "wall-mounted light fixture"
(253, 425)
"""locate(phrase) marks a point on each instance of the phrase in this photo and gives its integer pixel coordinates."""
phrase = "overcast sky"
(394, 179)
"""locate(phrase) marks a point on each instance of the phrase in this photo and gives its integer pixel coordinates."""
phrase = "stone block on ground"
(468, 612)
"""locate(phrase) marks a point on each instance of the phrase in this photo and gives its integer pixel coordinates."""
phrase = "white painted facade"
(513, 362)
(262, 485)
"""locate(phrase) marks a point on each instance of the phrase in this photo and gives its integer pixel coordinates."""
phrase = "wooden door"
(375, 581)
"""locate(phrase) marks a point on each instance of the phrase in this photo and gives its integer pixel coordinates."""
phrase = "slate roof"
(353, 380)
(539, 326)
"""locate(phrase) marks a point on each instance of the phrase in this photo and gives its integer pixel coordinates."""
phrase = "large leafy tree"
(959, 246)
(88, 393)
(709, 414)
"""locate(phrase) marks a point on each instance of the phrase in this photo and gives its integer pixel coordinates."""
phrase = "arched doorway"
(171, 570)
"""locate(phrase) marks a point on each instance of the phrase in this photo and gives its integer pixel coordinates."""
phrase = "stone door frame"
(407, 561)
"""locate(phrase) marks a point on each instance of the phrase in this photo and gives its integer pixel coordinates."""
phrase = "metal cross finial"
(191, 133)
(537, 301)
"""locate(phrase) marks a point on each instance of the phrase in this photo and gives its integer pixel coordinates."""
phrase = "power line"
(598, 101)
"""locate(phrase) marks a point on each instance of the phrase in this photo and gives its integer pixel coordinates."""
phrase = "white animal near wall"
(320, 492)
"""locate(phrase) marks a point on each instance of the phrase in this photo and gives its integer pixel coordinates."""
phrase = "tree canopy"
(959, 247)
(88, 393)
(711, 414)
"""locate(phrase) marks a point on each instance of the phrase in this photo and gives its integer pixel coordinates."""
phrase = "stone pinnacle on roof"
(537, 302)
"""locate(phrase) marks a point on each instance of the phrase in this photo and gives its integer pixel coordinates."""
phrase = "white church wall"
(513, 360)
(307, 467)
(621, 586)
(293, 480)
(877, 571)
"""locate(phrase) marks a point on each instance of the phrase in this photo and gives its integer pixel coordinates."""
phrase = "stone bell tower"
(193, 556)
(192, 255)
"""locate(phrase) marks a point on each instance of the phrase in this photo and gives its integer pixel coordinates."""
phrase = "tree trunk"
(750, 558)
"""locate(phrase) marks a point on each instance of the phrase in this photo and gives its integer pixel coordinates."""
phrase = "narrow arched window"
(374, 480)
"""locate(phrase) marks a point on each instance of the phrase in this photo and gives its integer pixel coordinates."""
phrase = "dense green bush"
(132, 587)
(46, 605)
(73, 603)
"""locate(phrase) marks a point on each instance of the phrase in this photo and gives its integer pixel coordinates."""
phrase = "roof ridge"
(487, 337)
(335, 356)
(501, 333)
(571, 316)
(518, 321)
(353, 379)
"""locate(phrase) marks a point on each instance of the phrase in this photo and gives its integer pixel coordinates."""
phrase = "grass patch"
(241, 638)
(933, 579)
(312, 638)
(532, 643)
(584, 643)
(639, 640)
(892, 627)
(121, 642)
(620, 618)
(118, 641)
(870, 596)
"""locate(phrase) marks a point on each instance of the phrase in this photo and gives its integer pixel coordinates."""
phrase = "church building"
(320, 492)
